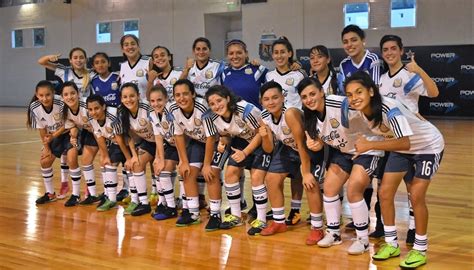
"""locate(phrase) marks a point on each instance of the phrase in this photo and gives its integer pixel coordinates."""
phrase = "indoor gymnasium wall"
(176, 23)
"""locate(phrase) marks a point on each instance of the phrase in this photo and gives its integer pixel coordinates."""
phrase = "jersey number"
(426, 169)
(266, 160)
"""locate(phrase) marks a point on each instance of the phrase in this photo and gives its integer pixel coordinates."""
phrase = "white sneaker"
(331, 238)
(359, 246)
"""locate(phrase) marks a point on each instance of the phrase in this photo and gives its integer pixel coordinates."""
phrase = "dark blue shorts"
(422, 166)
(149, 147)
(259, 159)
(368, 162)
(285, 160)
(87, 138)
(171, 153)
(60, 144)
(115, 154)
(196, 151)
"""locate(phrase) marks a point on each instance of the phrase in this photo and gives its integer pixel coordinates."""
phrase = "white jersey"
(243, 123)
(67, 74)
(288, 82)
(168, 82)
(51, 120)
(81, 119)
(140, 124)
(280, 129)
(327, 86)
(136, 74)
(398, 122)
(110, 128)
(205, 77)
(163, 125)
(404, 86)
(192, 125)
(331, 130)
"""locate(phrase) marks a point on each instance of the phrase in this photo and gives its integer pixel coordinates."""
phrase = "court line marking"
(23, 142)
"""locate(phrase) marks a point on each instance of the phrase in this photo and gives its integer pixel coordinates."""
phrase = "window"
(17, 38)
(403, 13)
(103, 31)
(130, 27)
(38, 37)
(357, 13)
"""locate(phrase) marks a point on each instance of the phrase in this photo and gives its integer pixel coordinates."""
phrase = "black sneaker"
(102, 199)
(214, 223)
(410, 237)
(202, 201)
(141, 210)
(90, 200)
(167, 213)
(294, 217)
(187, 219)
(159, 209)
(270, 215)
(252, 214)
(379, 231)
(46, 198)
(122, 195)
(72, 201)
(243, 206)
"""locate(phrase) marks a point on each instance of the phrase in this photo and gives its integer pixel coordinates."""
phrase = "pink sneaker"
(63, 190)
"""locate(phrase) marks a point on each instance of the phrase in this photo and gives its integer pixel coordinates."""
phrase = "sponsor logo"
(448, 81)
(443, 57)
(466, 94)
(467, 69)
(445, 107)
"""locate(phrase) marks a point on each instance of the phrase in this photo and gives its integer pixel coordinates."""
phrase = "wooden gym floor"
(52, 236)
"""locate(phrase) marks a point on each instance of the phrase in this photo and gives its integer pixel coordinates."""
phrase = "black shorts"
(60, 144)
(319, 163)
(195, 152)
(422, 166)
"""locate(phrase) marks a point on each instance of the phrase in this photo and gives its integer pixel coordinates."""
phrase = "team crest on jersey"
(384, 128)
(108, 129)
(173, 81)
(285, 130)
(57, 116)
(114, 86)
(248, 71)
(85, 119)
(197, 122)
(240, 123)
(290, 81)
(165, 125)
(142, 122)
(140, 73)
(397, 82)
(209, 75)
(334, 123)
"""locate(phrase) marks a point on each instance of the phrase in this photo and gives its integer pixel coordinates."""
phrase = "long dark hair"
(66, 107)
(100, 54)
(285, 42)
(323, 50)
(224, 92)
(123, 112)
(43, 83)
(310, 116)
(386, 38)
(375, 101)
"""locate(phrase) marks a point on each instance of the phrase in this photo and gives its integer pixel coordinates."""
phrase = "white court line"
(23, 142)
(12, 129)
